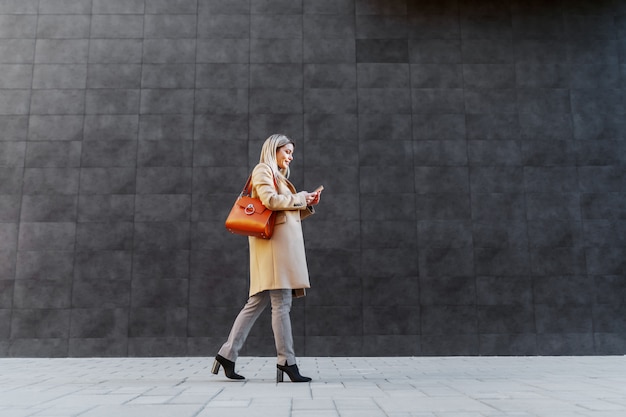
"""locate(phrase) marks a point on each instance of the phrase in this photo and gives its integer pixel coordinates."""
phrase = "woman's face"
(284, 155)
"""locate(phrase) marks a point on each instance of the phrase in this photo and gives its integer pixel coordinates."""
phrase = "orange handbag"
(249, 216)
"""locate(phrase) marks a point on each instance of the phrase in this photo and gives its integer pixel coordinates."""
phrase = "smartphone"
(318, 189)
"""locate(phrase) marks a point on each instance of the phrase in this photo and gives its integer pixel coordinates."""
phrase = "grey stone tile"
(450, 262)
(287, 26)
(216, 126)
(120, 26)
(439, 320)
(108, 180)
(274, 101)
(438, 126)
(151, 265)
(115, 236)
(329, 76)
(381, 27)
(442, 180)
(118, 51)
(272, 51)
(220, 153)
(276, 7)
(384, 100)
(12, 154)
(382, 50)
(504, 291)
(111, 127)
(171, 322)
(14, 128)
(329, 26)
(14, 102)
(161, 236)
(387, 234)
(10, 237)
(47, 236)
(165, 153)
(70, 7)
(162, 207)
(330, 101)
(215, 50)
(11, 180)
(330, 51)
(161, 293)
(221, 76)
(95, 294)
(19, 7)
(50, 181)
(166, 127)
(62, 51)
(224, 7)
(166, 101)
(106, 208)
(280, 76)
(498, 153)
(497, 179)
(17, 51)
(48, 265)
(103, 266)
(490, 51)
(57, 102)
(120, 76)
(169, 26)
(383, 75)
(44, 208)
(429, 26)
(112, 101)
(512, 261)
(63, 26)
(59, 76)
(505, 232)
(224, 26)
(491, 101)
(489, 76)
(503, 206)
(16, 76)
(165, 6)
(9, 208)
(39, 323)
(224, 100)
(440, 153)
(118, 6)
(435, 51)
(99, 323)
(113, 153)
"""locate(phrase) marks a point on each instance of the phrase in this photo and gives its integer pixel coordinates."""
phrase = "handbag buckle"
(249, 209)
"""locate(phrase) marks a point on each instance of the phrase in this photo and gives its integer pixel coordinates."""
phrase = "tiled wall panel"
(473, 154)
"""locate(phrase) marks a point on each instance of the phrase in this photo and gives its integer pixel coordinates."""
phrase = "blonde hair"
(268, 154)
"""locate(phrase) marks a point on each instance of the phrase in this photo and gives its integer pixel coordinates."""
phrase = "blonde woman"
(278, 269)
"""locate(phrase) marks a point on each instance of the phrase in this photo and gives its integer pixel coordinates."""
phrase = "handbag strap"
(247, 189)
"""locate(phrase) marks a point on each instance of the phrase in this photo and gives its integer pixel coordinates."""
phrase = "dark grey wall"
(473, 154)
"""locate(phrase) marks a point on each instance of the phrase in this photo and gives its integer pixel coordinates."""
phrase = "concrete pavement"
(342, 387)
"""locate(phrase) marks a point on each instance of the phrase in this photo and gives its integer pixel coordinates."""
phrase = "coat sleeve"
(264, 188)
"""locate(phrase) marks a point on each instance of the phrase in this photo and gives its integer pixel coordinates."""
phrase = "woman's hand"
(312, 198)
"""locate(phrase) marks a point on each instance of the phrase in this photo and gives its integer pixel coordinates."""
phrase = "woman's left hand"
(313, 199)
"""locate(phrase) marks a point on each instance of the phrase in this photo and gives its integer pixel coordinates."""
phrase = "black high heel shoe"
(292, 371)
(229, 367)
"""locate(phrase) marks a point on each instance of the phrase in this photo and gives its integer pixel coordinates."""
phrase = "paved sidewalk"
(342, 387)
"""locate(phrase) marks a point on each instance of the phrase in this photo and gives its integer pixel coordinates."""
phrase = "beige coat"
(279, 262)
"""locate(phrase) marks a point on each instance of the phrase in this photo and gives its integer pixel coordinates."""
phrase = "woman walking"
(278, 269)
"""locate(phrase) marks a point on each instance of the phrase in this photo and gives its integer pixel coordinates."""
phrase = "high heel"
(229, 367)
(292, 371)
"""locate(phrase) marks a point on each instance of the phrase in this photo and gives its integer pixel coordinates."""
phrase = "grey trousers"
(281, 325)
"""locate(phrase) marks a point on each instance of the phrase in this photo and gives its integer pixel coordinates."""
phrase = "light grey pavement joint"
(587, 386)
